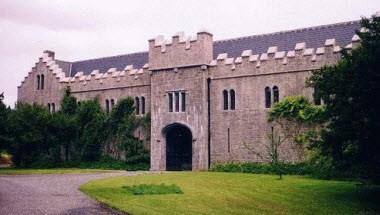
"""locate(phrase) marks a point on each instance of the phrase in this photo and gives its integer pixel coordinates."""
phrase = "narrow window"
(49, 107)
(317, 97)
(225, 100)
(228, 140)
(107, 106)
(267, 97)
(232, 99)
(137, 104)
(183, 101)
(42, 82)
(38, 82)
(170, 102)
(276, 96)
(143, 105)
(112, 103)
(176, 95)
(53, 107)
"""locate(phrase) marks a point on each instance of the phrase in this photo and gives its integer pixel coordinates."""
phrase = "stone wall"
(186, 65)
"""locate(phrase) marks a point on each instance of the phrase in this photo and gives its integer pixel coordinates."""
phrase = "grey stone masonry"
(190, 83)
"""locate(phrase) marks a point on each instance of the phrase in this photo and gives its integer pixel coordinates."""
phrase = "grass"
(153, 189)
(236, 193)
(16, 171)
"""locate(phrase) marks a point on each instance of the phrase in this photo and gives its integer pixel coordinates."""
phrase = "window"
(317, 97)
(267, 97)
(225, 100)
(232, 99)
(49, 107)
(177, 101)
(170, 102)
(53, 107)
(107, 106)
(137, 104)
(38, 82)
(176, 97)
(183, 101)
(42, 82)
(112, 103)
(276, 96)
(143, 105)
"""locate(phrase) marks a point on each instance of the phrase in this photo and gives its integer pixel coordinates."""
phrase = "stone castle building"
(208, 99)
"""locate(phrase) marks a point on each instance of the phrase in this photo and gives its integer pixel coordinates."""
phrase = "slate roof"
(286, 40)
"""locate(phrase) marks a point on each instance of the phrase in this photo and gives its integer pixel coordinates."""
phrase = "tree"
(350, 90)
(297, 121)
(121, 126)
(4, 115)
(91, 127)
(30, 141)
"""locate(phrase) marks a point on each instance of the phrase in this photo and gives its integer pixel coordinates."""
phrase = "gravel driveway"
(50, 194)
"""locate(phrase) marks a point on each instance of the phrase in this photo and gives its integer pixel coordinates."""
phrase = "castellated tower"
(179, 101)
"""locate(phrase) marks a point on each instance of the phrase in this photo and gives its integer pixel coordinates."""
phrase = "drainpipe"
(208, 122)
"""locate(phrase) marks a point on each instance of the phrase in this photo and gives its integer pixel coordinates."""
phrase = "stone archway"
(179, 148)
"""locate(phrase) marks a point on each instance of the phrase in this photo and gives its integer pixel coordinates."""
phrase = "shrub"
(153, 189)
(264, 168)
(5, 158)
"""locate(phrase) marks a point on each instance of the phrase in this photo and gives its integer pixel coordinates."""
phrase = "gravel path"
(50, 194)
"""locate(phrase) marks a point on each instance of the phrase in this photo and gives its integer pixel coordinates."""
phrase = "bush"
(5, 158)
(153, 189)
(264, 168)
(107, 162)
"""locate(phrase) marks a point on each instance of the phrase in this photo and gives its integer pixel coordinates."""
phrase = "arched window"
(107, 106)
(137, 104)
(49, 107)
(267, 97)
(276, 94)
(53, 107)
(225, 100)
(42, 82)
(38, 82)
(232, 99)
(112, 103)
(143, 105)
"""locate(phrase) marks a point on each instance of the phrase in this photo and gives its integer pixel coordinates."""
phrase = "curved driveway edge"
(51, 194)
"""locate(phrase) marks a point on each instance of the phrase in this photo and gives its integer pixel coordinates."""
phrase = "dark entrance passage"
(178, 147)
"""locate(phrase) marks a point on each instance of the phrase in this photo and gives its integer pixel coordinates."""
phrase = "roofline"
(289, 31)
(121, 55)
(227, 40)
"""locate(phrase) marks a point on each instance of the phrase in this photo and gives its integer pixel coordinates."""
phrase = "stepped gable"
(314, 37)
(104, 64)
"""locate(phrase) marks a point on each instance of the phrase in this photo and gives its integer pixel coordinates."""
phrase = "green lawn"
(11, 171)
(236, 193)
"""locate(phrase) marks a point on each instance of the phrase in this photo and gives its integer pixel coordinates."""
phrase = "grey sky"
(84, 29)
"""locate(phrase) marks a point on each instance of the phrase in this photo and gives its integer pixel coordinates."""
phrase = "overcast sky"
(83, 29)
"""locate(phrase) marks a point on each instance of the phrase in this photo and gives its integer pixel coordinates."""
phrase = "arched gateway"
(178, 147)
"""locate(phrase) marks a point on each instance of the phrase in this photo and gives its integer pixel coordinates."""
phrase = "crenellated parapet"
(113, 78)
(180, 51)
(275, 60)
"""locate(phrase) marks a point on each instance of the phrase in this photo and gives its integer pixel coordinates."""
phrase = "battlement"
(301, 54)
(180, 51)
(129, 76)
